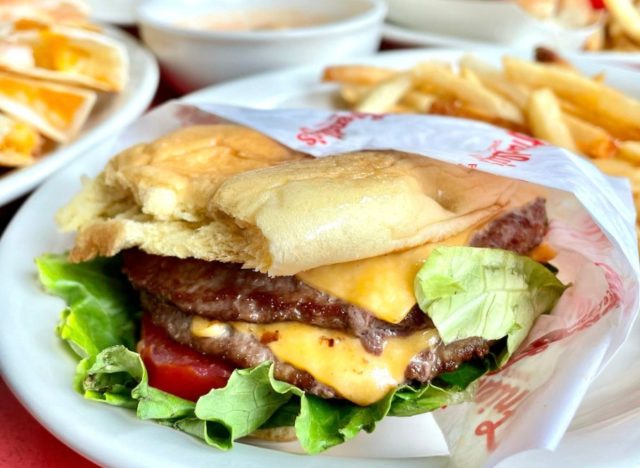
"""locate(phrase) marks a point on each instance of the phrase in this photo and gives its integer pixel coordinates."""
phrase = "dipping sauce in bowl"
(202, 42)
(254, 20)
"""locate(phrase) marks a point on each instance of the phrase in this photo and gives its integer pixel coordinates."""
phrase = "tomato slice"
(176, 368)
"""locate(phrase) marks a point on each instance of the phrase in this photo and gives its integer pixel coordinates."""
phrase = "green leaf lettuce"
(99, 324)
(462, 288)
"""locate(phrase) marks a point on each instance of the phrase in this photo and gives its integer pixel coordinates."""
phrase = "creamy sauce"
(254, 20)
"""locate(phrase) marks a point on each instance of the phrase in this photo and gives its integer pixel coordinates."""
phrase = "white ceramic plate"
(412, 37)
(409, 36)
(110, 115)
(121, 12)
(39, 370)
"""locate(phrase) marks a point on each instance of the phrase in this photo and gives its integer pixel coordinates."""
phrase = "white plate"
(412, 37)
(409, 36)
(39, 370)
(110, 115)
(121, 12)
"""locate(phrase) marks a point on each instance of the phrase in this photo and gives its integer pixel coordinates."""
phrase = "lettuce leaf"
(100, 322)
(249, 400)
(254, 399)
(461, 288)
(118, 375)
(101, 306)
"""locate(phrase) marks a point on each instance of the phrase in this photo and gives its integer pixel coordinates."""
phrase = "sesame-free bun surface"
(336, 209)
(228, 193)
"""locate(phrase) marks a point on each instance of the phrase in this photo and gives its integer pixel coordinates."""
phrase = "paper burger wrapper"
(530, 402)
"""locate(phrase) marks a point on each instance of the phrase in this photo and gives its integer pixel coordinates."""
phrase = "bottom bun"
(275, 434)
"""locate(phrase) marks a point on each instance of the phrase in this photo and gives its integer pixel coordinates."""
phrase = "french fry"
(590, 139)
(621, 111)
(357, 74)
(386, 95)
(470, 75)
(546, 119)
(469, 91)
(626, 15)
(495, 80)
(630, 151)
(457, 108)
(611, 126)
(433, 88)
(624, 44)
(596, 41)
(401, 109)
(620, 168)
(419, 101)
(351, 94)
(617, 38)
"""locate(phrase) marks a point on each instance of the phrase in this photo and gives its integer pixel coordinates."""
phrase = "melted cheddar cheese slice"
(55, 110)
(56, 52)
(382, 285)
(19, 143)
(58, 107)
(78, 56)
(335, 358)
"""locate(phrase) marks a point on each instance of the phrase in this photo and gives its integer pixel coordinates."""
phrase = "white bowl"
(193, 58)
(500, 22)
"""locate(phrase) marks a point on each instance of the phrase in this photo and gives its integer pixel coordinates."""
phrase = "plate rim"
(415, 38)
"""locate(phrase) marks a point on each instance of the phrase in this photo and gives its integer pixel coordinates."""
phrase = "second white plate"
(412, 37)
(110, 115)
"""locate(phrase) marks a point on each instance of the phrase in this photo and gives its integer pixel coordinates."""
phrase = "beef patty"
(173, 290)
(245, 350)
(226, 292)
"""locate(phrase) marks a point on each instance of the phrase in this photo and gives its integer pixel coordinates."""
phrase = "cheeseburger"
(335, 290)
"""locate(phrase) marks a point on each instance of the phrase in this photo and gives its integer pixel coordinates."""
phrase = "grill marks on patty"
(173, 290)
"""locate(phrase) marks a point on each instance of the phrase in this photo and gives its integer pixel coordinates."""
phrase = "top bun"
(229, 193)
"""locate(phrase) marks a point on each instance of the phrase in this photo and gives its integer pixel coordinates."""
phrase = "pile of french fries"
(621, 29)
(547, 99)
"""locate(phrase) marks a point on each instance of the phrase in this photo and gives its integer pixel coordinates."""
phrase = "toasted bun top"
(231, 194)
(174, 177)
(351, 206)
